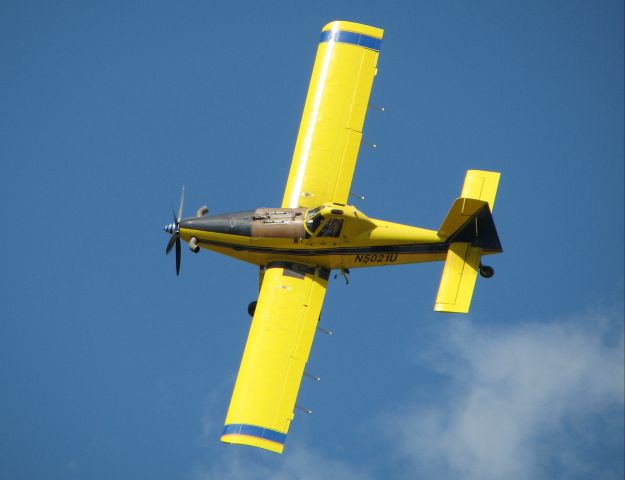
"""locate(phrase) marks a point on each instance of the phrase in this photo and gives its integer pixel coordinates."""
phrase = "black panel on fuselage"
(238, 223)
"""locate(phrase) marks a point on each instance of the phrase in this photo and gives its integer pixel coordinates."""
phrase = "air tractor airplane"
(315, 231)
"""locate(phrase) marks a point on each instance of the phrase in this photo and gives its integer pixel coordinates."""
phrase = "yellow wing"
(276, 352)
(331, 129)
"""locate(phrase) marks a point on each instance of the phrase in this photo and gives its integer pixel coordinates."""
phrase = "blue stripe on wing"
(254, 431)
(357, 39)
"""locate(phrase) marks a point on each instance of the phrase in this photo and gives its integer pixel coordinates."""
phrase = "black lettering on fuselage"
(376, 258)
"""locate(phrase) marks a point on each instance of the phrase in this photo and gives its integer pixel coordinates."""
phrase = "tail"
(470, 231)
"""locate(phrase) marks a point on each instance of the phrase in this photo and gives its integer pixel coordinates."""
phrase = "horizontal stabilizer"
(470, 217)
(470, 230)
(481, 185)
(458, 280)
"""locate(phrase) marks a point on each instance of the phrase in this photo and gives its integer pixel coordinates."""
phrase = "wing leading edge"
(277, 349)
(334, 113)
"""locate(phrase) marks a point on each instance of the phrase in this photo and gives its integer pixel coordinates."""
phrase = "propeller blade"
(177, 255)
(181, 205)
(175, 235)
(171, 242)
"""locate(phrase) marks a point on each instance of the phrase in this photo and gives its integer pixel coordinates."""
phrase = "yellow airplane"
(315, 231)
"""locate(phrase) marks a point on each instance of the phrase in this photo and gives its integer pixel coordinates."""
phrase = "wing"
(276, 352)
(331, 129)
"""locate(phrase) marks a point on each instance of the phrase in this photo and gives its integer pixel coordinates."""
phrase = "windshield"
(313, 219)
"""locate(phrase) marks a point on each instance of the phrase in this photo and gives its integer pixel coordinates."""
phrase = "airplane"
(315, 230)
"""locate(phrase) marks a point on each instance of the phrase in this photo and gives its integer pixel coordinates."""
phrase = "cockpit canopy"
(316, 226)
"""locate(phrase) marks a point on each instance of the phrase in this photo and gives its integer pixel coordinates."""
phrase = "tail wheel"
(251, 308)
(486, 271)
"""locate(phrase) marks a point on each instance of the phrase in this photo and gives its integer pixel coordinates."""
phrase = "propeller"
(174, 230)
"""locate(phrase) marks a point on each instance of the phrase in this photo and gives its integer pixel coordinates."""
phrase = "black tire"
(486, 271)
(251, 308)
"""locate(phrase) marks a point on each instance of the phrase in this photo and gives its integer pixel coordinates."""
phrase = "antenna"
(303, 409)
(325, 330)
(314, 377)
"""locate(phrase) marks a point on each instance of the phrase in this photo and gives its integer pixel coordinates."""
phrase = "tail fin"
(470, 230)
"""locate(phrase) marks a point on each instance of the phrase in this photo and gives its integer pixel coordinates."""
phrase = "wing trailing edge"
(276, 352)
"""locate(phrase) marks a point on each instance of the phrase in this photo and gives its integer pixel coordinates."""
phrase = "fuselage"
(331, 236)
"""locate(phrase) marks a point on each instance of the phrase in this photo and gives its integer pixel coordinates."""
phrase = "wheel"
(486, 271)
(251, 308)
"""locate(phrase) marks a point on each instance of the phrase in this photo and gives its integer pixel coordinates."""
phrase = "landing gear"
(251, 308)
(345, 273)
(486, 271)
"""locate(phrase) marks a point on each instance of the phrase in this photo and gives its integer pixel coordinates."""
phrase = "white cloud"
(518, 402)
(532, 400)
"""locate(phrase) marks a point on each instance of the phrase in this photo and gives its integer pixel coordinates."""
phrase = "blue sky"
(112, 367)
